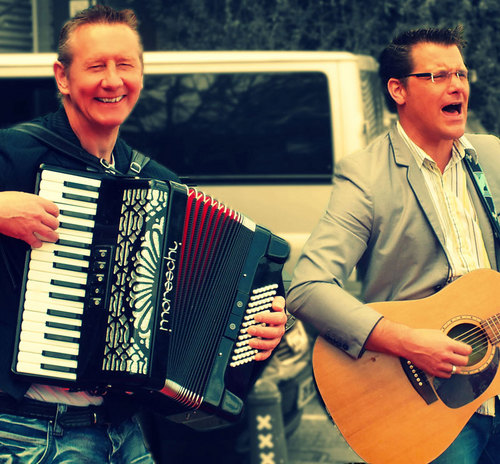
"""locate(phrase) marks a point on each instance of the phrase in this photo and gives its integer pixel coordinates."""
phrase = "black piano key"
(61, 338)
(66, 254)
(53, 367)
(65, 314)
(68, 226)
(55, 354)
(76, 185)
(73, 196)
(63, 283)
(70, 243)
(70, 267)
(58, 325)
(75, 214)
(64, 296)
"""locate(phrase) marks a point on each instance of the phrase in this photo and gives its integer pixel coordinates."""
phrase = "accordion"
(151, 285)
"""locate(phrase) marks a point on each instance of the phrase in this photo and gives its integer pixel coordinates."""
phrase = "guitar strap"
(481, 185)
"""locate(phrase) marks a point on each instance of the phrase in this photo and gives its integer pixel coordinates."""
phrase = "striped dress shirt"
(463, 245)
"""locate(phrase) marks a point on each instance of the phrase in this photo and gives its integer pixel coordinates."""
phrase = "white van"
(260, 131)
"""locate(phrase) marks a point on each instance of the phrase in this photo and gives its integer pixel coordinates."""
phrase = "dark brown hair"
(396, 61)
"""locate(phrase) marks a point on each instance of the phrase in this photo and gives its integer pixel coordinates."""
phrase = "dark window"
(26, 98)
(215, 127)
(236, 127)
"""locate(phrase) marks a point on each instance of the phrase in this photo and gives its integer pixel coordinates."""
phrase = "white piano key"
(67, 314)
(37, 316)
(35, 369)
(88, 210)
(41, 327)
(38, 255)
(77, 221)
(78, 234)
(30, 347)
(61, 202)
(24, 357)
(46, 266)
(50, 186)
(37, 298)
(40, 276)
(52, 247)
(49, 288)
(40, 339)
(61, 178)
(66, 235)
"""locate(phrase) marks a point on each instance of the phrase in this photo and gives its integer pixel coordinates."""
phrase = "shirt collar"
(458, 152)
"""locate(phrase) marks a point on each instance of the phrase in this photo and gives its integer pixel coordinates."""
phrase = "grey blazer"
(380, 219)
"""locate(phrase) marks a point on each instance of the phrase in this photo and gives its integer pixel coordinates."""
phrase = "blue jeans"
(33, 441)
(477, 443)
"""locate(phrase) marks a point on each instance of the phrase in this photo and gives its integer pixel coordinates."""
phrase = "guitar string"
(478, 333)
(472, 337)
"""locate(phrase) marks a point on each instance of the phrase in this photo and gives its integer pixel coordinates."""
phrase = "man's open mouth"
(111, 100)
(455, 108)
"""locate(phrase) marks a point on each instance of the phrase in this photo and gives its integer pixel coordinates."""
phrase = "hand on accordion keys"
(28, 217)
(267, 335)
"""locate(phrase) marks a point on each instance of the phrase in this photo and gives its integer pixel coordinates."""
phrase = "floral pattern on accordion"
(138, 250)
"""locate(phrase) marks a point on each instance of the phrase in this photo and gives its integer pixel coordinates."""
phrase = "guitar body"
(378, 401)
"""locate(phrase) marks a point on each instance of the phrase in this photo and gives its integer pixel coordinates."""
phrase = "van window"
(215, 128)
(246, 127)
(26, 98)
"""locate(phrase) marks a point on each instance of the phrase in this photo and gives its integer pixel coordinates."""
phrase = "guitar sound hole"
(473, 336)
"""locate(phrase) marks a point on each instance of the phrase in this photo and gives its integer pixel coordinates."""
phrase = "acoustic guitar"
(391, 412)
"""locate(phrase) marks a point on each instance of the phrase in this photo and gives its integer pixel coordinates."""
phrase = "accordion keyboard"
(57, 281)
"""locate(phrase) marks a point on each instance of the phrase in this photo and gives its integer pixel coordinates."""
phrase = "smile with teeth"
(111, 100)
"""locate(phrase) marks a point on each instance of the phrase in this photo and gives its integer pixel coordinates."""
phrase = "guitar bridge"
(420, 382)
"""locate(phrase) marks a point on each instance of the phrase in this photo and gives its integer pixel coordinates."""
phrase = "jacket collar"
(404, 158)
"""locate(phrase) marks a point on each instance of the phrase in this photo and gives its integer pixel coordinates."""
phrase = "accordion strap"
(62, 145)
(481, 185)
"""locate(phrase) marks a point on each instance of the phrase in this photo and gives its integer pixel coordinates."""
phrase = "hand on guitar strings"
(436, 353)
(428, 349)
(267, 335)
(28, 217)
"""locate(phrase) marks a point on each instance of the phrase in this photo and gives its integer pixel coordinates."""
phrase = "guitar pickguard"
(459, 390)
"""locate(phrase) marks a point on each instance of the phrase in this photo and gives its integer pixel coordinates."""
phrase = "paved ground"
(317, 440)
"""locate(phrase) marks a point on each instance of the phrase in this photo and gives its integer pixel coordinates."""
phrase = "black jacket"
(20, 157)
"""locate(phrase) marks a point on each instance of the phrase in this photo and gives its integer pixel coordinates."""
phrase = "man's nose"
(111, 76)
(457, 82)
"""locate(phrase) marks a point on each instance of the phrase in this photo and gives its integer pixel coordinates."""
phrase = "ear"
(397, 90)
(61, 78)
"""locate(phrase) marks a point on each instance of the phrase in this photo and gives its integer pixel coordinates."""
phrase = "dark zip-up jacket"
(20, 157)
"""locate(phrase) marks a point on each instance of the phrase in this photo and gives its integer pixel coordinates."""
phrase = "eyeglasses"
(440, 77)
